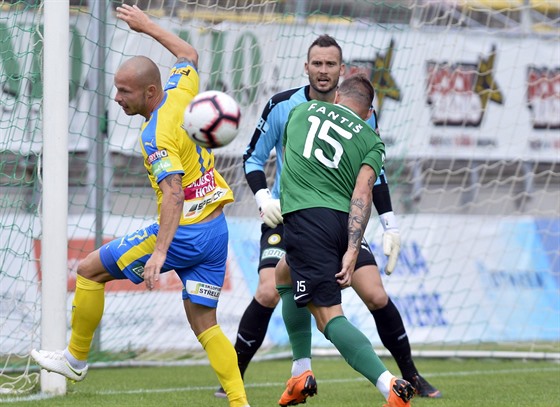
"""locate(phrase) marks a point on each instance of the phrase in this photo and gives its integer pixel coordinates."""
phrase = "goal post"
(468, 99)
(54, 218)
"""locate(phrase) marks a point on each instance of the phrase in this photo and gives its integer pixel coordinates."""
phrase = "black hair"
(324, 41)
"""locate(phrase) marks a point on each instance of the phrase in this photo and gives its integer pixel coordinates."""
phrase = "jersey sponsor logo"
(274, 239)
(203, 290)
(161, 166)
(181, 71)
(191, 209)
(201, 187)
(156, 155)
(273, 253)
(175, 76)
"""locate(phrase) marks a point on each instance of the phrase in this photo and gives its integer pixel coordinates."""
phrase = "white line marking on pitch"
(37, 397)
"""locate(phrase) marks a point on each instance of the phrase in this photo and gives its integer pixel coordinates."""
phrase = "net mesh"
(468, 98)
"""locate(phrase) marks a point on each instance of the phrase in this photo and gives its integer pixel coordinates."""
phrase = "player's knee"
(267, 297)
(85, 267)
(378, 300)
(91, 268)
(282, 273)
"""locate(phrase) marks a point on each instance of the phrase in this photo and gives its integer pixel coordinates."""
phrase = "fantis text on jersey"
(336, 117)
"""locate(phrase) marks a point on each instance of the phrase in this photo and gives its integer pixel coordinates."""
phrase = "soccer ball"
(211, 120)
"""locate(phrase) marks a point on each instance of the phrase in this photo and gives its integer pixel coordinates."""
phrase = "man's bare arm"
(138, 21)
(358, 217)
(170, 215)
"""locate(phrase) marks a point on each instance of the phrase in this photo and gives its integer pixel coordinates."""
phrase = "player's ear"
(151, 91)
(342, 69)
(336, 97)
(305, 68)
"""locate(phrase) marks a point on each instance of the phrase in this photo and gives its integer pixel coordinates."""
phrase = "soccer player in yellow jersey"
(191, 234)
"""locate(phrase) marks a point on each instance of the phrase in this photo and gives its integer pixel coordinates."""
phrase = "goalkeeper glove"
(391, 240)
(269, 208)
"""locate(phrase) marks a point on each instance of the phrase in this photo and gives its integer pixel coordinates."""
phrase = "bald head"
(142, 70)
(139, 88)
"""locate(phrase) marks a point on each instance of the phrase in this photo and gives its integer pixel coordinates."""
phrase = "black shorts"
(365, 256)
(272, 246)
(316, 240)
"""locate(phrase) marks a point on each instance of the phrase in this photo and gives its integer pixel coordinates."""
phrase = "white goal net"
(468, 98)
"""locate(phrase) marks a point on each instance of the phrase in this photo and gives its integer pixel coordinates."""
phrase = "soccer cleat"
(220, 393)
(400, 393)
(56, 362)
(423, 388)
(298, 389)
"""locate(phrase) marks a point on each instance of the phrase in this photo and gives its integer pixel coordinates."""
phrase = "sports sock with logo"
(251, 333)
(393, 336)
(87, 310)
(355, 347)
(223, 360)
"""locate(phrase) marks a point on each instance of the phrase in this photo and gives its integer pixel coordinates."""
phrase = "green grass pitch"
(463, 382)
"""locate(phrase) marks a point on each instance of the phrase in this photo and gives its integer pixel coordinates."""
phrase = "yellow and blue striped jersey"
(168, 150)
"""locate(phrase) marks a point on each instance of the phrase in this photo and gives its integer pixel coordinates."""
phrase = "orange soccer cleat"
(298, 389)
(400, 393)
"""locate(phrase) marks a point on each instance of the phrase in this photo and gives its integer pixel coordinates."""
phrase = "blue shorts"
(197, 253)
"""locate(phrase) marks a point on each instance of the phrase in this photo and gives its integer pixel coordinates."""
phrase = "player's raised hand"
(136, 19)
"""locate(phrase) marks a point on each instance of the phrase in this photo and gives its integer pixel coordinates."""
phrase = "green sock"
(298, 323)
(355, 347)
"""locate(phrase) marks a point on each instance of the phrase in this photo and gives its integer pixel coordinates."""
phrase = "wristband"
(388, 221)
(262, 195)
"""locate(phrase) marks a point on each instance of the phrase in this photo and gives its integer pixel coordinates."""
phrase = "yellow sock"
(223, 360)
(87, 310)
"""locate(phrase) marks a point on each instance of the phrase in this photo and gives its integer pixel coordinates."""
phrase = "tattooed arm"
(358, 217)
(170, 215)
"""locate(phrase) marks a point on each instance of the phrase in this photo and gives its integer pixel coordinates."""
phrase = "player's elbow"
(190, 54)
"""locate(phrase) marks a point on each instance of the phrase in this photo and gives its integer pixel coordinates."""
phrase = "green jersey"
(325, 146)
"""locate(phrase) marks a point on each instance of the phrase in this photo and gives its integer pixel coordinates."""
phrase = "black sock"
(393, 336)
(251, 333)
